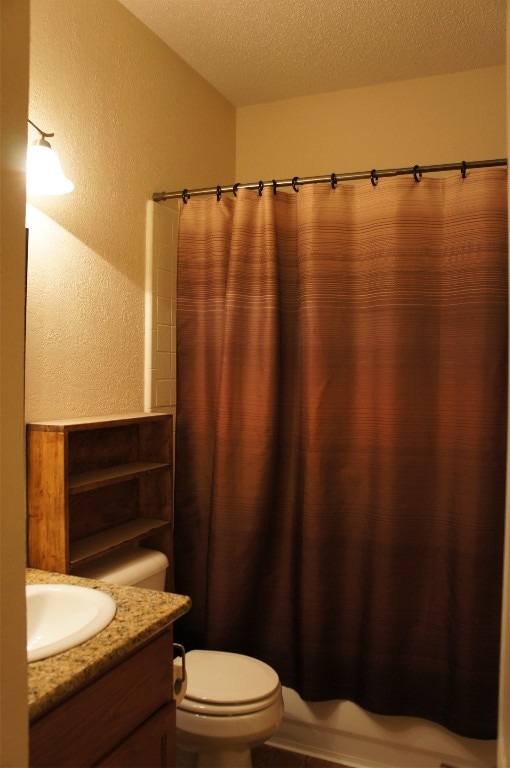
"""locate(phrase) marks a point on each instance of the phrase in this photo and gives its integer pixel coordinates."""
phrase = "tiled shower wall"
(160, 317)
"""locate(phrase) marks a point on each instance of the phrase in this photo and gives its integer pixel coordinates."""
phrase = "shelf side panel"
(47, 501)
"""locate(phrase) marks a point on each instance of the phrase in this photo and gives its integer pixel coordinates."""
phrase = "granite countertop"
(141, 613)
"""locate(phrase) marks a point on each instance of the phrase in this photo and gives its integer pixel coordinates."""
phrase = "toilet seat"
(225, 684)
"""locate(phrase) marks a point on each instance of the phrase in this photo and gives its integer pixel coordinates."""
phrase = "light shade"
(44, 171)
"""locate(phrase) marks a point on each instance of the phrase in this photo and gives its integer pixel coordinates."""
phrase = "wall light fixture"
(44, 171)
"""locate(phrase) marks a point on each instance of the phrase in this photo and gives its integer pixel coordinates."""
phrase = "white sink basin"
(60, 616)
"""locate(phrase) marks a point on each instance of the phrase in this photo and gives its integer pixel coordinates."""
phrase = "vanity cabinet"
(97, 484)
(124, 718)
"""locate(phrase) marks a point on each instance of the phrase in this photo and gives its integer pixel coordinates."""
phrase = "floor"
(266, 757)
(270, 757)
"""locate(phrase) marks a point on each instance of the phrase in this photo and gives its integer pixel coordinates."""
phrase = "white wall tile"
(163, 393)
(164, 343)
(164, 313)
(165, 225)
(163, 365)
(164, 283)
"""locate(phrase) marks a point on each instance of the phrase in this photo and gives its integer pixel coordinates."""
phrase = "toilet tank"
(131, 566)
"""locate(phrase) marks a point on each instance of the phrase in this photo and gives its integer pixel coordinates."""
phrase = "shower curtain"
(341, 431)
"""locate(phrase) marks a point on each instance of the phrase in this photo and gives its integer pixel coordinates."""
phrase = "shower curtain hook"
(185, 196)
(334, 181)
(416, 171)
(374, 178)
(463, 168)
(274, 186)
(218, 193)
(261, 188)
(295, 183)
(234, 188)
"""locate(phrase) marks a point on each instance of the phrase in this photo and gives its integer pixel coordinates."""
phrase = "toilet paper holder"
(180, 652)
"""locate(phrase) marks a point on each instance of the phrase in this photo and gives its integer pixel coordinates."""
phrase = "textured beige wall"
(427, 121)
(14, 23)
(130, 118)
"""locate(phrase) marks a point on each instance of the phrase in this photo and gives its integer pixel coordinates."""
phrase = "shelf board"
(113, 538)
(97, 422)
(87, 481)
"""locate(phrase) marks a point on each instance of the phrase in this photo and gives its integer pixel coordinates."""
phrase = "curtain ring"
(294, 183)
(416, 171)
(334, 181)
(234, 188)
(185, 196)
(261, 188)
(463, 168)
(374, 178)
(274, 186)
(218, 193)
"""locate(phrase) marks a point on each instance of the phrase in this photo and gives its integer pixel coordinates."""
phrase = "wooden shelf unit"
(98, 484)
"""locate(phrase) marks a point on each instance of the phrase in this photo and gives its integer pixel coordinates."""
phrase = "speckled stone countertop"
(141, 613)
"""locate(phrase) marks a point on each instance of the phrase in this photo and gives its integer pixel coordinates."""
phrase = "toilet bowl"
(230, 702)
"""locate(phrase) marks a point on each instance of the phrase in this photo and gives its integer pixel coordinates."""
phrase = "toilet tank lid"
(125, 566)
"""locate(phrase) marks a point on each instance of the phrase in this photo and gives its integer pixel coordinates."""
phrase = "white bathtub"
(342, 732)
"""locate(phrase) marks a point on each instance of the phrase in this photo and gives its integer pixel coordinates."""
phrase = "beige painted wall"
(14, 23)
(427, 121)
(130, 118)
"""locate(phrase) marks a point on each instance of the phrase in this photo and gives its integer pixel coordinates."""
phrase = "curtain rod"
(374, 175)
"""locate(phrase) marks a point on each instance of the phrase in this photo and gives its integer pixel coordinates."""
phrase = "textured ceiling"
(255, 51)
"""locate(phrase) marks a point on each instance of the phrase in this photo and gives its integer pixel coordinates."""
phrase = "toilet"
(230, 702)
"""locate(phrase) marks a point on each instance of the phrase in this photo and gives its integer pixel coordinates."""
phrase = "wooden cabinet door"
(93, 722)
(152, 745)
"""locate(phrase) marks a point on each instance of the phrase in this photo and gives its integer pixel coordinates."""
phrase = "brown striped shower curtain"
(341, 431)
